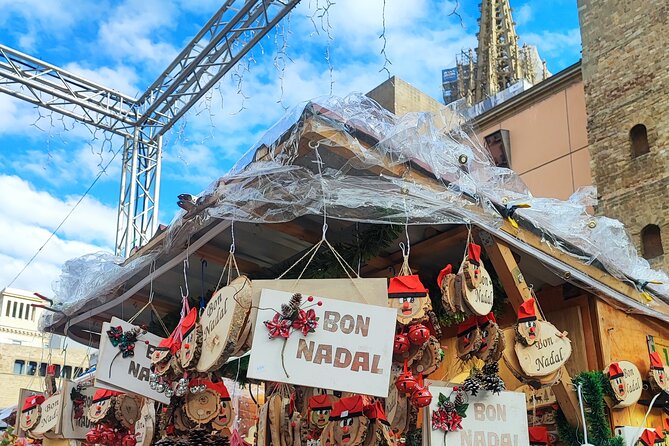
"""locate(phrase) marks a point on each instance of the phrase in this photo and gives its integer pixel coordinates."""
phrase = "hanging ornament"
(410, 298)
(293, 316)
(31, 412)
(472, 266)
(450, 411)
(527, 328)
(468, 338)
(401, 344)
(125, 341)
(406, 382)
(657, 375)
(418, 334)
(421, 396)
(348, 425)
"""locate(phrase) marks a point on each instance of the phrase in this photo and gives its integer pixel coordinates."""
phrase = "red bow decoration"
(306, 321)
(278, 327)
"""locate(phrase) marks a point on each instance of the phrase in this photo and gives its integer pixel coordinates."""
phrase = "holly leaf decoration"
(462, 410)
(443, 399)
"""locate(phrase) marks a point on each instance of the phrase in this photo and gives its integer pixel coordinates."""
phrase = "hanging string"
(203, 265)
(231, 261)
(149, 303)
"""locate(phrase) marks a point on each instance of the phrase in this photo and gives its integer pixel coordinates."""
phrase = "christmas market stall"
(359, 278)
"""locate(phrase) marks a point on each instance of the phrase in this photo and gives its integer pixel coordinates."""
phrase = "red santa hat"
(539, 435)
(656, 361)
(323, 401)
(474, 253)
(168, 344)
(615, 371)
(188, 323)
(659, 438)
(526, 311)
(647, 438)
(375, 412)
(218, 387)
(485, 320)
(348, 407)
(467, 325)
(448, 269)
(104, 394)
(406, 286)
(32, 402)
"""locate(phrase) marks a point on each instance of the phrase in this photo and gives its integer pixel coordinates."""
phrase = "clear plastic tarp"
(356, 161)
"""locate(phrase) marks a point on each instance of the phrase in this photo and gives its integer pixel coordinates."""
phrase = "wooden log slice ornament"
(446, 283)
(430, 359)
(49, 417)
(550, 352)
(202, 407)
(145, 425)
(472, 266)
(31, 412)
(492, 342)
(102, 405)
(511, 361)
(658, 375)
(626, 383)
(191, 343)
(181, 421)
(468, 338)
(397, 405)
(275, 406)
(410, 298)
(223, 320)
(128, 409)
(349, 424)
(263, 425)
(477, 300)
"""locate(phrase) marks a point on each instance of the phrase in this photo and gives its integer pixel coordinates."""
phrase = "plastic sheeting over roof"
(355, 161)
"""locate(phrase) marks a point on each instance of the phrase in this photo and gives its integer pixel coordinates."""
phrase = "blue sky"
(47, 162)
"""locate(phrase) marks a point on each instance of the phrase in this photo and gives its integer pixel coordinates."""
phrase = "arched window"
(651, 242)
(639, 140)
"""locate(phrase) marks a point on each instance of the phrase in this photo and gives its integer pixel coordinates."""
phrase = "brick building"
(626, 77)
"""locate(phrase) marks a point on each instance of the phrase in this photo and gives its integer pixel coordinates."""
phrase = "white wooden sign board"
(131, 374)
(49, 420)
(351, 350)
(71, 428)
(492, 420)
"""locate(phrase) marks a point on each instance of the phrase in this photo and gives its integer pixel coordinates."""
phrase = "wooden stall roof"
(263, 249)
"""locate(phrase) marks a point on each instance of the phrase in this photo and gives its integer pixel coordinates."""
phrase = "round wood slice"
(547, 354)
(222, 322)
(145, 425)
(659, 380)
(357, 431)
(448, 293)
(191, 349)
(465, 351)
(263, 425)
(490, 338)
(632, 386)
(286, 431)
(49, 416)
(397, 406)
(430, 359)
(479, 300)
(275, 406)
(202, 407)
(511, 361)
(98, 411)
(418, 313)
(29, 419)
(472, 274)
(128, 409)
(225, 417)
(243, 343)
(458, 300)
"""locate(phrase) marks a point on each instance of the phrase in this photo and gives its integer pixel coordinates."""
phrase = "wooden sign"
(366, 291)
(49, 421)
(511, 361)
(547, 354)
(222, 322)
(491, 420)
(626, 388)
(351, 349)
(69, 427)
(144, 426)
(131, 374)
(480, 299)
(537, 398)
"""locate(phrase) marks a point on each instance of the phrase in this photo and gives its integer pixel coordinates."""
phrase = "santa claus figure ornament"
(527, 329)
(30, 412)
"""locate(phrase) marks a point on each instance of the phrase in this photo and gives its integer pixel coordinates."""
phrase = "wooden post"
(517, 292)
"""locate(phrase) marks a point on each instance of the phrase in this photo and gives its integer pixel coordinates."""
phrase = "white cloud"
(554, 43)
(27, 219)
(121, 78)
(523, 15)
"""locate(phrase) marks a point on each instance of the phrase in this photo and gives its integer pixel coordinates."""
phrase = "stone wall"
(626, 77)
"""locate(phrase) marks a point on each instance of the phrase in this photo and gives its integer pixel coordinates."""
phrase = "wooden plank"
(211, 253)
(517, 292)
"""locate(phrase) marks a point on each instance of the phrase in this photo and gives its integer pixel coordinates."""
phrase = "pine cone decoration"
(472, 385)
(198, 437)
(166, 441)
(295, 301)
(286, 310)
(491, 368)
(459, 399)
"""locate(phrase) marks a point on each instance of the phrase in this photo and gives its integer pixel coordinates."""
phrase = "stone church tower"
(626, 75)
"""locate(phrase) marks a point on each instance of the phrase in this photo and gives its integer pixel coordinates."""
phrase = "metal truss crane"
(228, 36)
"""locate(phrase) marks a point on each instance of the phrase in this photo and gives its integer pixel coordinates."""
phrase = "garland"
(599, 432)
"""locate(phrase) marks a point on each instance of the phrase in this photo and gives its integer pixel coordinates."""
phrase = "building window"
(651, 242)
(14, 310)
(639, 140)
(19, 365)
(9, 304)
(32, 368)
(21, 310)
(499, 145)
(42, 369)
(67, 371)
(77, 371)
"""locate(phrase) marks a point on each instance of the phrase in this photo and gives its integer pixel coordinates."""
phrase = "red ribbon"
(306, 321)
(278, 327)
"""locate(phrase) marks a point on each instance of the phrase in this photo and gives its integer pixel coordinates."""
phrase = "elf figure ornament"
(31, 412)
(348, 423)
(410, 298)
(657, 376)
(617, 381)
(527, 328)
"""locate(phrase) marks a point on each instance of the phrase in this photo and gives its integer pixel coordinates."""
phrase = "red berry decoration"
(419, 334)
(401, 344)
(421, 396)
(406, 382)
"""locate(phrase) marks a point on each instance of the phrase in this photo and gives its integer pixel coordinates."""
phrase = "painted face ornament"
(409, 297)
(657, 376)
(617, 380)
(489, 336)
(191, 335)
(30, 412)
(469, 338)
(101, 404)
(319, 410)
(527, 328)
(379, 422)
(349, 423)
(161, 355)
(225, 415)
(472, 266)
